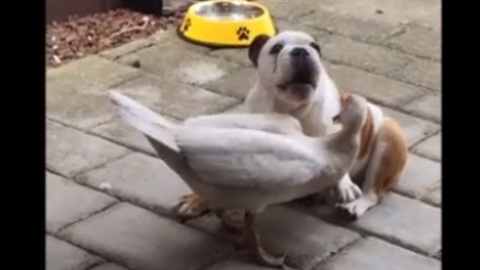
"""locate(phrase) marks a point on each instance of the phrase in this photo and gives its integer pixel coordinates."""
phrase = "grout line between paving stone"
(133, 148)
(89, 132)
(96, 264)
(422, 140)
(111, 119)
(99, 211)
(223, 94)
(382, 43)
(420, 198)
(51, 170)
(163, 214)
(86, 248)
(419, 115)
(332, 254)
(128, 53)
(423, 199)
(342, 63)
(105, 261)
(396, 243)
(427, 157)
(103, 164)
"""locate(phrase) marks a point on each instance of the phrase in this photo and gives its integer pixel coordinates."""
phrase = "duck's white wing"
(271, 122)
(247, 158)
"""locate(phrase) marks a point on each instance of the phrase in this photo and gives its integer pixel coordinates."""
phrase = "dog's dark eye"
(276, 49)
(315, 46)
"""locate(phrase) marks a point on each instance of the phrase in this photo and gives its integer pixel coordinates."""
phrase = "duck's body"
(248, 161)
(250, 169)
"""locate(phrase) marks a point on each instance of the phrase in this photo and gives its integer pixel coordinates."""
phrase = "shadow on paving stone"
(305, 239)
(397, 219)
(108, 266)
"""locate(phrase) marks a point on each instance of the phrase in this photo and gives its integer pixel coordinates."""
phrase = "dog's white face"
(289, 64)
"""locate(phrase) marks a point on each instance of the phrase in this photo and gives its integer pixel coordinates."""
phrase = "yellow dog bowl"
(225, 23)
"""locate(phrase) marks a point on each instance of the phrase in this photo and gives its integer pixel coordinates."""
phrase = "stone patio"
(108, 196)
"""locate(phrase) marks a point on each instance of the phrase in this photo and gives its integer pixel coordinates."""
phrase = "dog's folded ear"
(255, 47)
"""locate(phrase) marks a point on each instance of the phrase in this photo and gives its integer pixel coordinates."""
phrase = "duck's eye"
(276, 48)
(316, 47)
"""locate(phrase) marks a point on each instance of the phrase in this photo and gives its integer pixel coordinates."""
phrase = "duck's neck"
(348, 138)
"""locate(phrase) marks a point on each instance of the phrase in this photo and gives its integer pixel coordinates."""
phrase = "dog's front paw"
(346, 191)
(358, 207)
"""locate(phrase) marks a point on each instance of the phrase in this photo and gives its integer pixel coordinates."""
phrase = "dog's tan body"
(383, 153)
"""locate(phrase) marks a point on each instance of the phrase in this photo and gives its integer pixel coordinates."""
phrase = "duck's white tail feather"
(145, 120)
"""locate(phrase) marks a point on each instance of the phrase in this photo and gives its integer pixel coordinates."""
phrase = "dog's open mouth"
(297, 85)
(301, 80)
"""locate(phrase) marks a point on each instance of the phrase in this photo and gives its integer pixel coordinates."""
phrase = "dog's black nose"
(299, 52)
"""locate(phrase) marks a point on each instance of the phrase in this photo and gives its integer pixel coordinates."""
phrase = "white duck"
(242, 167)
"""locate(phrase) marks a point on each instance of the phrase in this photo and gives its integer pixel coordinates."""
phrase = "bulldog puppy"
(291, 79)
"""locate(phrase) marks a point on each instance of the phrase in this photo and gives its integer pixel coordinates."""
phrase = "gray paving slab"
(141, 240)
(420, 177)
(121, 132)
(372, 254)
(140, 179)
(425, 73)
(425, 13)
(70, 151)
(428, 106)
(376, 88)
(372, 58)
(177, 63)
(418, 40)
(361, 29)
(430, 148)
(415, 129)
(236, 84)
(404, 221)
(68, 202)
(175, 99)
(75, 93)
(434, 197)
(236, 55)
(61, 255)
